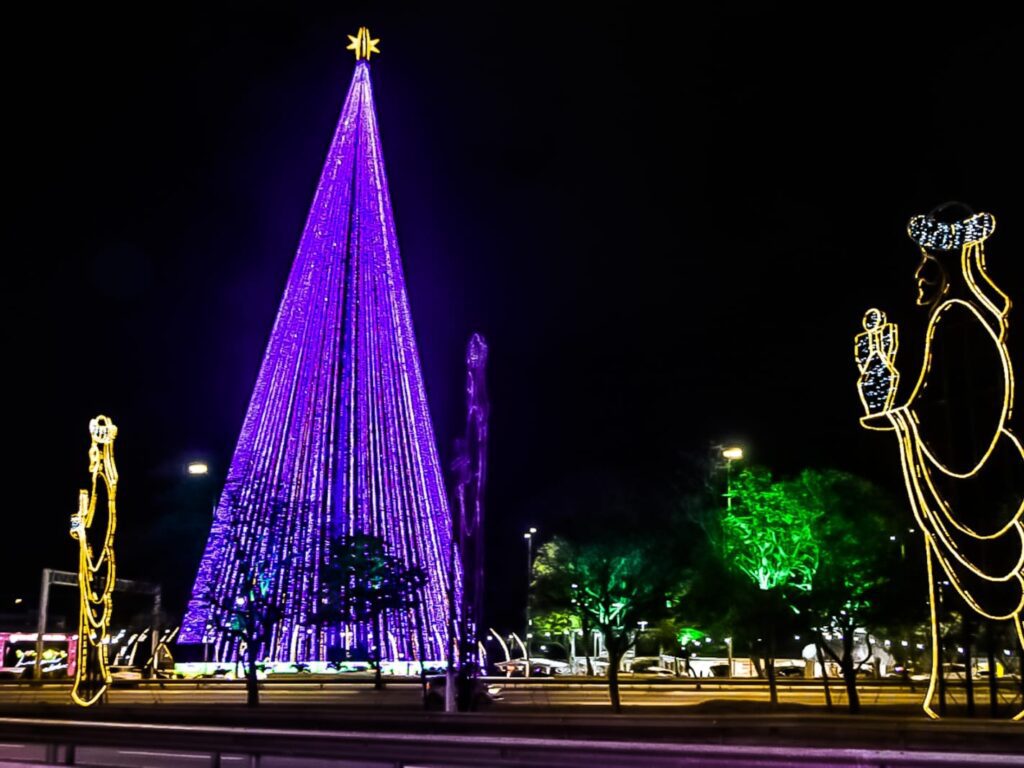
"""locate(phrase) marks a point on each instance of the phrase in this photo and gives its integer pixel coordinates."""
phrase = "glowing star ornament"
(362, 44)
(337, 439)
(96, 572)
(955, 444)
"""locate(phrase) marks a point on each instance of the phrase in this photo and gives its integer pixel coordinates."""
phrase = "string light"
(875, 352)
(929, 233)
(943, 529)
(96, 574)
(470, 471)
(337, 438)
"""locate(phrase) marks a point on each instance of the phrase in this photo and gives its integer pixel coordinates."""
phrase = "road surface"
(512, 696)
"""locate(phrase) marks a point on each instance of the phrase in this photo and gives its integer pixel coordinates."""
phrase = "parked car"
(539, 667)
(657, 671)
(484, 694)
(789, 670)
(953, 671)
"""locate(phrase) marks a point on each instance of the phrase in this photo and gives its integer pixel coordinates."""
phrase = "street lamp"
(197, 468)
(733, 453)
(730, 454)
(528, 536)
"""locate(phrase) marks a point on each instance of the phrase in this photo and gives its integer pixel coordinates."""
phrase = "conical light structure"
(338, 437)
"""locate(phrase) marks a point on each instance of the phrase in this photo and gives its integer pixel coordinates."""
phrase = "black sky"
(667, 228)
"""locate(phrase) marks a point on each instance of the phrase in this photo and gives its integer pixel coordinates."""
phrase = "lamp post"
(730, 454)
(200, 469)
(528, 536)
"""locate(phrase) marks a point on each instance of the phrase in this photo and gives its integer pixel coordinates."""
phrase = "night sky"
(667, 230)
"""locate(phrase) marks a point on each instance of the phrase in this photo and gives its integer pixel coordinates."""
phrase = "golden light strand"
(96, 575)
(990, 307)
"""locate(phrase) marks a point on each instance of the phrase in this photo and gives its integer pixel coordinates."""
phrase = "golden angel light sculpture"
(96, 572)
(962, 464)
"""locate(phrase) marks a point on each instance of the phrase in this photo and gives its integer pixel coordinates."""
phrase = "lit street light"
(733, 453)
(197, 468)
(730, 454)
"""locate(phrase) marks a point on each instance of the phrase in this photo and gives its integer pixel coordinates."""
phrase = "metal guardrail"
(555, 683)
(67, 739)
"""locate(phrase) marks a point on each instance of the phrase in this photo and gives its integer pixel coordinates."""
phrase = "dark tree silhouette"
(858, 560)
(249, 619)
(361, 582)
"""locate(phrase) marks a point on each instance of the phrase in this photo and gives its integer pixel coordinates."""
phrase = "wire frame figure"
(962, 464)
(470, 469)
(96, 570)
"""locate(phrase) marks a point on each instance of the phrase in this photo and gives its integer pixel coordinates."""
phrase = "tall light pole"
(529, 581)
(200, 469)
(730, 454)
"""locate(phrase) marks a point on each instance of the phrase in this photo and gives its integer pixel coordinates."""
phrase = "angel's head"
(942, 236)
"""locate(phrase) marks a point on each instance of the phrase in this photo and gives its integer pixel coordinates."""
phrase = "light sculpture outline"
(338, 438)
(96, 573)
(470, 469)
(875, 351)
(991, 560)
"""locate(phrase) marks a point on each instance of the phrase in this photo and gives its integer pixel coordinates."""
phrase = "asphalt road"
(402, 695)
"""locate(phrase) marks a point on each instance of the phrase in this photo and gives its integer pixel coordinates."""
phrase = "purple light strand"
(470, 469)
(338, 436)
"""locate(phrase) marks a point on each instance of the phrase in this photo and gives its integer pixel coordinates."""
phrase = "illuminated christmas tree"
(338, 438)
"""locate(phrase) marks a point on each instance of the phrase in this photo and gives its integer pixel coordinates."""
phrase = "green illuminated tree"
(767, 533)
(560, 625)
(610, 585)
(553, 594)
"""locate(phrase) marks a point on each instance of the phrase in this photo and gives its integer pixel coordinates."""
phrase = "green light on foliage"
(769, 533)
(688, 635)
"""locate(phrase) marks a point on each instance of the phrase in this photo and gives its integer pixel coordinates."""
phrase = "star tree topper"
(362, 44)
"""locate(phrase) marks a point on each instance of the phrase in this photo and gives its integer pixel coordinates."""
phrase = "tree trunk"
(769, 663)
(966, 638)
(824, 674)
(252, 683)
(849, 671)
(423, 650)
(938, 652)
(613, 678)
(587, 640)
(755, 661)
(993, 685)
(378, 678)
